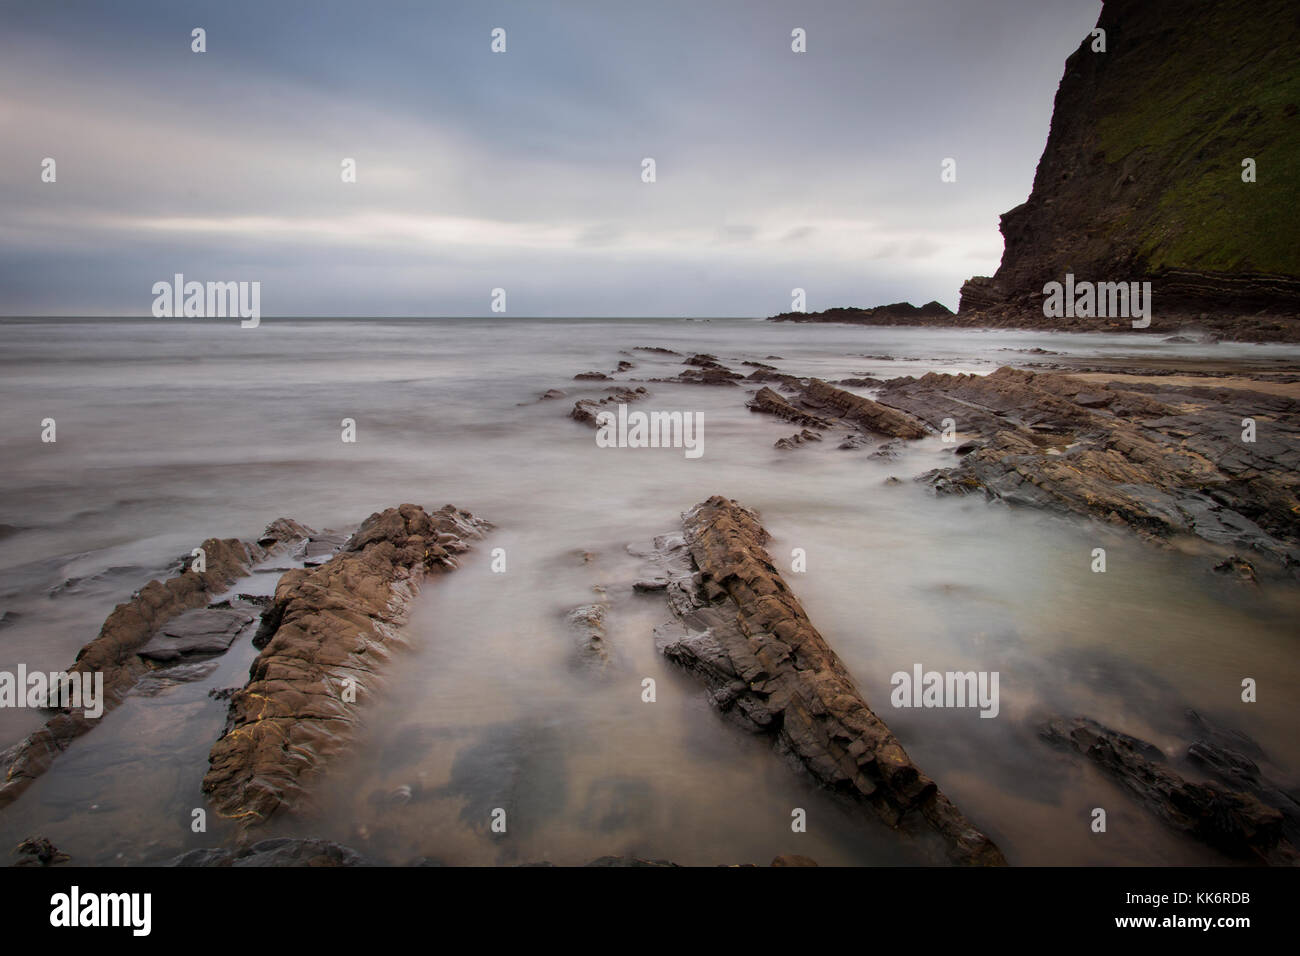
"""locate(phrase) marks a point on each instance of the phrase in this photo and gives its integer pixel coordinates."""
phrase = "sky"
(520, 170)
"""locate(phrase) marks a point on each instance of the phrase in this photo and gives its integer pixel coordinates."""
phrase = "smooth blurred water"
(171, 432)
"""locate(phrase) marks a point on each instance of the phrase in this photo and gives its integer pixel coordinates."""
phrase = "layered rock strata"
(765, 664)
(329, 632)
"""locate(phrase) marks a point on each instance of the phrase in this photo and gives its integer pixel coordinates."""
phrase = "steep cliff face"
(1142, 176)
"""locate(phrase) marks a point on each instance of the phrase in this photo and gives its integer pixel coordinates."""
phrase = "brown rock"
(335, 626)
(769, 668)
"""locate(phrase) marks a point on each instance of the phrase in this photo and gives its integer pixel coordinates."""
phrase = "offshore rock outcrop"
(1141, 177)
(897, 313)
(331, 630)
(1235, 822)
(765, 664)
(134, 631)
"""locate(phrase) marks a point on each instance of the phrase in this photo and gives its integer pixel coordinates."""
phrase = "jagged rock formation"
(750, 640)
(1141, 177)
(818, 405)
(1160, 459)
(585, 410)
(706, 370)
(131, 630)
(872, 416)
(1235, 822)
(329, 632)
(773, 404)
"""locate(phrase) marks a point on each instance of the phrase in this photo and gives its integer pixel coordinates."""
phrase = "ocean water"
(170, 432)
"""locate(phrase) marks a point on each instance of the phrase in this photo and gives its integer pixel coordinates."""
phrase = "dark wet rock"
(204, 631)
(859, 382)
(550, 394)
(789, 383)
(622, 861)
(163, 680)
(591, 377)
(320, 544)
(654, 348)
(1238, 761)
(1232, 821)
(585, 410)
(38, 851)
(769, 402)
(335, 628)
(9, 617)
(966, 447)
(863, 412)
(800, 438)
(889, 451)
(282, 851)
(625, 365)
(767, 667)
(705, 370)
(1238, 567)
(708, 376)
(1125, 457)
(284, 531)
(793, 859)
(656, 584)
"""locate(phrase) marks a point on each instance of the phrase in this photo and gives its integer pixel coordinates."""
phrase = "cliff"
(1142, 175)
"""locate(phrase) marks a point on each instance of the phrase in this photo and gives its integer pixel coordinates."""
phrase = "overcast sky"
(519, 170)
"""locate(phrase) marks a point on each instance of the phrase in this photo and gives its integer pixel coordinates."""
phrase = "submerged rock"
(1233, 821)
(38, 851)
(282, 851)
(588, 622)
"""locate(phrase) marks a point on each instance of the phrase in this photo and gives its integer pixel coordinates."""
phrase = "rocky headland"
(1144, 178)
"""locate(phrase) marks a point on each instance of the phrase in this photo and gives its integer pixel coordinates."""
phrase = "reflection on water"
(171, 433)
